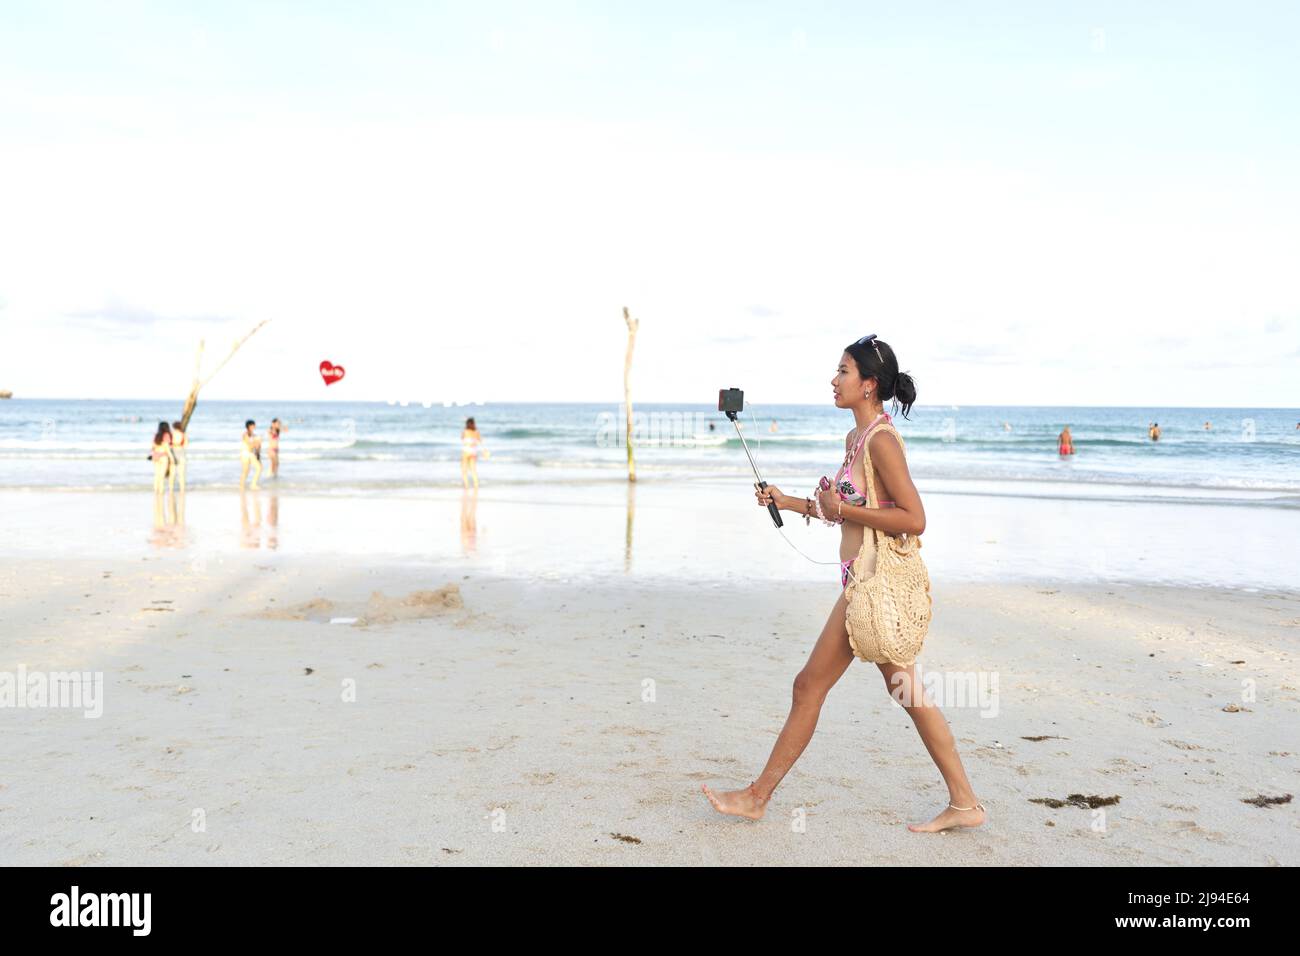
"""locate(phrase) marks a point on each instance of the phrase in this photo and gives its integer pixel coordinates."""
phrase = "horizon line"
(439, 404)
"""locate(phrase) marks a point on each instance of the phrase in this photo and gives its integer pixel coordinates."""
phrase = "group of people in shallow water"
(170, 444)
(170, 441)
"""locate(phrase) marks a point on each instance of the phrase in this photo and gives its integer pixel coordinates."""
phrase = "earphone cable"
(750, 412)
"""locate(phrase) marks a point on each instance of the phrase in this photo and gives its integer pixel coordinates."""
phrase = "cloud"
(130, 321)
(115, 313)
(981, 353)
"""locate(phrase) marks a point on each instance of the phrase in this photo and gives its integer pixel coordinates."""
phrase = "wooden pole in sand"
(194, 390)
(632, 325)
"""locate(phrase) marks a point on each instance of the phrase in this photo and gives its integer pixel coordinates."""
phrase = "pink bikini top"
(848, 491)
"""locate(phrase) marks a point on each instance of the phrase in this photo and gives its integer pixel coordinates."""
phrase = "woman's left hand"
(829, 502)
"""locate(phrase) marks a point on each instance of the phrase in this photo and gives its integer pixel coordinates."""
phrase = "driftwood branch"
(632, 325)
(193, 398)
(233, 350)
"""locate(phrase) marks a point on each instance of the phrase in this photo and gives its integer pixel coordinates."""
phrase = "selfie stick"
(771, 505)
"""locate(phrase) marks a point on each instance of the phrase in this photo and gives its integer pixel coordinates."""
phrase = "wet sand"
(705, 533)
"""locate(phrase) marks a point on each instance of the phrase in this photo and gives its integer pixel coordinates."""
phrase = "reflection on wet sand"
(250, 521)
(631, 514)
(273, 521)
(469, 521)
(168, 521)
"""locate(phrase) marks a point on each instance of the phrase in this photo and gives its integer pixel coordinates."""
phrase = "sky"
(1033, 203)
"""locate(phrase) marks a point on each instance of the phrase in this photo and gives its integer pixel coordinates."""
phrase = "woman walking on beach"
(867, 376)
(470, 444)
(250, 454)
(162, 457)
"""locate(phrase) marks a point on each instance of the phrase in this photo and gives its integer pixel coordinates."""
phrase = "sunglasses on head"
(871, 340)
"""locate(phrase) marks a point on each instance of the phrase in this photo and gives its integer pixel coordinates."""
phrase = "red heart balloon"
(330, 372)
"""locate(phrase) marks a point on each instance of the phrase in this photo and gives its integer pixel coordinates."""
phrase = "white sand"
(528, 700)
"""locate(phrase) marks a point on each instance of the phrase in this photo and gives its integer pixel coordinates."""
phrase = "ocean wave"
(815, 438)
(48, 445)
(128, 448)
(383, 441)
(581, 464)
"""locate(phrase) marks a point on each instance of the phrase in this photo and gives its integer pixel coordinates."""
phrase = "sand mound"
(381, 609)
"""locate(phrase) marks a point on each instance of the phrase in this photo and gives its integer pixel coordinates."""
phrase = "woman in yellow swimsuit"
(867, 376)
(250, 454)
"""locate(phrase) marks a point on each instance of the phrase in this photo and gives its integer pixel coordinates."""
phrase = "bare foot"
(738, 803)
(950, 818)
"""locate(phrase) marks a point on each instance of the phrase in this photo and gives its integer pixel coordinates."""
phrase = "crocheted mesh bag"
(888, 612)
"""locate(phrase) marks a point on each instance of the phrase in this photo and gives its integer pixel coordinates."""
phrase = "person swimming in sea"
(1154, 431)
(1065, 442)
